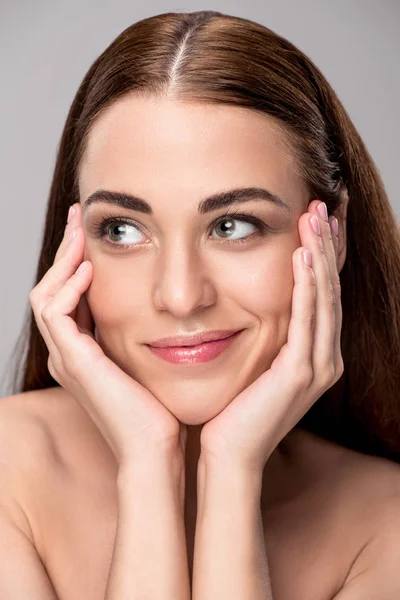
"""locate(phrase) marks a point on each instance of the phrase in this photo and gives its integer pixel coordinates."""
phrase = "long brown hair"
(208, 56)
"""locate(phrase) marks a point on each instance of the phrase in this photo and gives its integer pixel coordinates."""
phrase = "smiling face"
(179, 270)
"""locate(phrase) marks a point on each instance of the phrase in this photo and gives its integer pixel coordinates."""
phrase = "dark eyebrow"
(214, 202)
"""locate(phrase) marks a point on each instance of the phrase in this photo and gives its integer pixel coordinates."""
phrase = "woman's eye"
(126, 230)
(122, 234)
(227, 228)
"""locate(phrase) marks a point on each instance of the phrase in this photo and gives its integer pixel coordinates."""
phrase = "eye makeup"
(100, 229)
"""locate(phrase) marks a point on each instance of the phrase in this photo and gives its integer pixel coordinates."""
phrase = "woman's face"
(179, 270)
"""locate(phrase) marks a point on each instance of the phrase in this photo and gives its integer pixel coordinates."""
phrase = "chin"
(194, 408)
(195, 417)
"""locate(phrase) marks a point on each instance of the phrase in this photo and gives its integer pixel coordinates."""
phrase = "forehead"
(151, 146)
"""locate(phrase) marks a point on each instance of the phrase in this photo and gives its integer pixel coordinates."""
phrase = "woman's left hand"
(247, 431)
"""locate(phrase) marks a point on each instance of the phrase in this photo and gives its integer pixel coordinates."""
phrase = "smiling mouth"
(199, 353)
(194, 339)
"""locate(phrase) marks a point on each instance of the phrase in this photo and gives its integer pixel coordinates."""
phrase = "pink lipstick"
(200, 353)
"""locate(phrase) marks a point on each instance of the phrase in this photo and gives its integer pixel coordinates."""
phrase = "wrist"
(152, 457)
(166, 470)
(227, 468)
(228, 484)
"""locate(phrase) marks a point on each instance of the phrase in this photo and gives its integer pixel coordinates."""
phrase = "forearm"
(149, 560)
(230, 561)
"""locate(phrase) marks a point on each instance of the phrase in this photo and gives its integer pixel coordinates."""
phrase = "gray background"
(46, 47)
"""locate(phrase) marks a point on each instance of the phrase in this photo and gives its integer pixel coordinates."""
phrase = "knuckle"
(71, 365)
(330, 374)
(304, 376)
(33, 295)
(47, 314)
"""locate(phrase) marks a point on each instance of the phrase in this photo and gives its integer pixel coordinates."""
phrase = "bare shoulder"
(46, 442)
(29, 428)
(373, 478)
(24, 436)
(330, 482)
(370, 502)
(365, 489)
(26, 451)
(47, 429)
(335, 512)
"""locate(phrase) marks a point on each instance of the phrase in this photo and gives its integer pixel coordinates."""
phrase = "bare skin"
(58, 473)
(315, 512)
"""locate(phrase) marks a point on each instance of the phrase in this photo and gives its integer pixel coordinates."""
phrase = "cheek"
(261, 283)
(114, 296)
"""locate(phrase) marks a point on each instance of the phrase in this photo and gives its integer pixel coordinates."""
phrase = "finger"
(325, 322)
(293, 361)
(52, 281)
(64, 268)
(339, 310)
(53, 350)
(69, 227)
(335, 240)
(81, 353)
(302, 321)
(330, 244)
(62, 328)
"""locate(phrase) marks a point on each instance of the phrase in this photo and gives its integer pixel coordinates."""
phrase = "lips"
(194, 355)
(192, 340)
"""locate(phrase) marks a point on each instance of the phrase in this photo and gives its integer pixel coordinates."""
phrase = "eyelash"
(99, 228)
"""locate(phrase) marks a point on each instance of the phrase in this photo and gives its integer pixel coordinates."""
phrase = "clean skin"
(182, 273)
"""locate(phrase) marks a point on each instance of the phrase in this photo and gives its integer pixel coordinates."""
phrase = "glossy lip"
(193, 340)
(194, 355)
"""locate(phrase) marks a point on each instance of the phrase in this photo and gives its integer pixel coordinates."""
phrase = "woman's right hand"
(130, 418)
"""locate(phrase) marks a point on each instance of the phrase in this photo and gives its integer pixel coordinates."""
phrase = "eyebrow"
(216, 201)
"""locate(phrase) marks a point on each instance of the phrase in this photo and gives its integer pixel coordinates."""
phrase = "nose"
(182, 285)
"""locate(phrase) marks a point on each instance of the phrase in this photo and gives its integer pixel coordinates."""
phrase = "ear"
(341, 215)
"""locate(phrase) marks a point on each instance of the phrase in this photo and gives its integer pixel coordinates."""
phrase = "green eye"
(228, 228)
(114, 227)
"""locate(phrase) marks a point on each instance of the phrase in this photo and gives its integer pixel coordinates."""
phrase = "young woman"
(209, 404)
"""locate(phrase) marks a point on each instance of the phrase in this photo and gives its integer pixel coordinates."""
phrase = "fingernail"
(315, 225)
(323, 211)
(335, 226)
(71, 213)
(72, 235)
